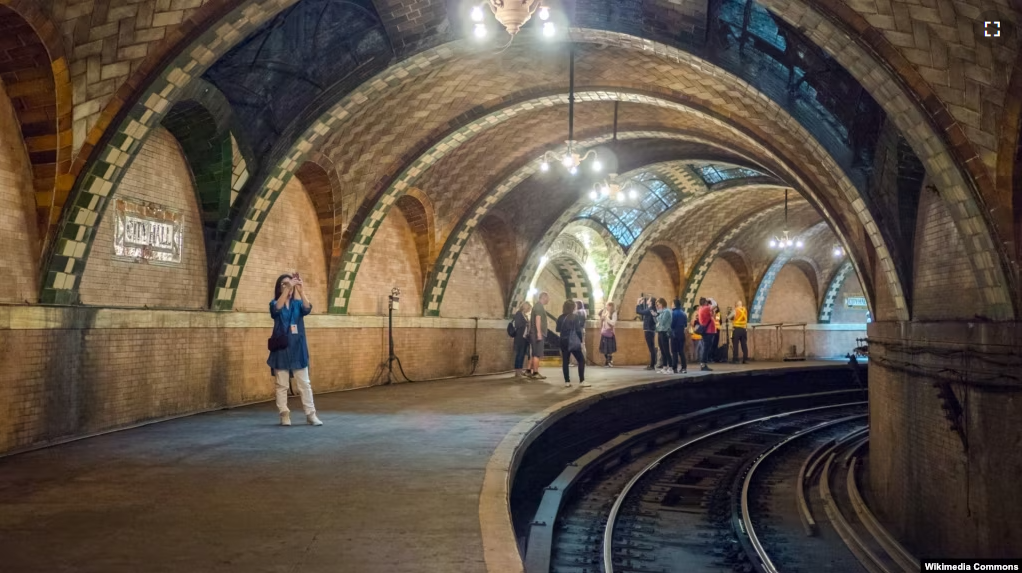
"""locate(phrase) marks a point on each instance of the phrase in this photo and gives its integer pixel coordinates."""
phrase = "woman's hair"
(276, 287)
(677, 303)
(662, 302)
(579, 305)
(568, 307)
(611, 306)
(521, 307)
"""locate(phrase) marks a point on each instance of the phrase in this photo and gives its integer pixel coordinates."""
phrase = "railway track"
(734, 488)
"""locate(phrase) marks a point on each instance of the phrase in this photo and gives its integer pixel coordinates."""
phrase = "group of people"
(666, 328)
(529, 327)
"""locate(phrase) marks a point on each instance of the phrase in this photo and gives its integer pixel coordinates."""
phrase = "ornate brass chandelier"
(785, 241)
(573, 156)
(611, 189)
(512, 14)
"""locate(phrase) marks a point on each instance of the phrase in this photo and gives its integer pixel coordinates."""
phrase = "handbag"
(277, 342)
(700, 329)
(574, 342)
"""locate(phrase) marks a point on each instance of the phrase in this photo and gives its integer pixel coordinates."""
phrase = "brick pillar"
(945, 447)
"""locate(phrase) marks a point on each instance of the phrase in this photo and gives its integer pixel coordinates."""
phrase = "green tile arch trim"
(767, 282)
(529, 271)
(451, 251)
(576, 280)
(89, 197)
(833, 287)
(734, 228)
(361, 239)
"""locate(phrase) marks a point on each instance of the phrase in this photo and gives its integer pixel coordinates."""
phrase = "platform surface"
(390, 483)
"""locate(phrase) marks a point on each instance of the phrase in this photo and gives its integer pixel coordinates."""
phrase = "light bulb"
(573, 170)
(633, 194)
(799, 244)
(544, 13)
(544, 259)
(532, 292)
(548, 29)
(544, 167)
(568, 160)
(605, 190)
(837, 252)
(597, 166)
(480, 31)
(594, 195)
(477, 14)
(773, 243)
(788, 244)
(620, 197)
(598, 293)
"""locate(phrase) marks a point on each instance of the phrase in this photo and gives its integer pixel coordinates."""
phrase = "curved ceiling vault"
(460, 94)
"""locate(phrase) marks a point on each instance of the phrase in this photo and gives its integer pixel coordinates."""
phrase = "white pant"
(304, 390)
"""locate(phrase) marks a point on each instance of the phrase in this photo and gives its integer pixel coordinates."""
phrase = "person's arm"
(300, 295)
(612, 319)
(538, 321)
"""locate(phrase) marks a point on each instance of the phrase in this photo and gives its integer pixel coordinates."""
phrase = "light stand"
(394, 304)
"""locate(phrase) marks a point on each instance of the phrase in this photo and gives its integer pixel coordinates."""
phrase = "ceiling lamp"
(573, 155)
(838, 251)
(609, 188)
(785, 241)
(512, 14)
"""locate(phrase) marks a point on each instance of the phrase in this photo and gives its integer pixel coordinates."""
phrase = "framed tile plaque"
(147, 232)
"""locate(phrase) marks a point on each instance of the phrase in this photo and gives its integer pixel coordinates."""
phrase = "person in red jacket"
(705, 317)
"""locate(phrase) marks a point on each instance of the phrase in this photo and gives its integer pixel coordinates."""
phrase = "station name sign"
(147, 232)
(855, 301)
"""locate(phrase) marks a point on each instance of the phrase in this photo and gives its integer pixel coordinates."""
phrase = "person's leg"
(565, 363)
(745, 345)
(652, 349)
(681, 351)
(280, 381)
(581, 367)
(668, 355)
(734, 345)
(305, 389)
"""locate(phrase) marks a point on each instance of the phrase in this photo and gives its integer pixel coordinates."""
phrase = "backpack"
(511, 329)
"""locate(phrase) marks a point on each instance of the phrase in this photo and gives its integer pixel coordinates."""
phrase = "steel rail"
(895, 550)
(608, 533)
(766, 563)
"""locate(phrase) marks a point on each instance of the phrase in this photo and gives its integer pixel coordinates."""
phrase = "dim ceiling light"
(838, 251)
(480, 30)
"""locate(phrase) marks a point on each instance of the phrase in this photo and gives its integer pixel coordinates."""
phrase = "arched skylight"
(716, 173)
(627, 220)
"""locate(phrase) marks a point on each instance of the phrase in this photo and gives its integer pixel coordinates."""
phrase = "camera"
(395, 298)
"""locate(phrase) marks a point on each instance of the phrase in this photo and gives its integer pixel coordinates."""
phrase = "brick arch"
(617, 253)
(322, 186)
(1009, 157)
(717, 247)
(671, 260)
(811, 270)
(837, 280)
(500, 245)
(766, 282)
(418, 211)
(572, 271)
(739, 262)
(38, 82)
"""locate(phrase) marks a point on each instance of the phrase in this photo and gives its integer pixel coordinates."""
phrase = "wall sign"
(855, 301)
(147, 232)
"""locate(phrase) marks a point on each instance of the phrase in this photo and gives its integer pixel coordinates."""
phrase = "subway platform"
(405, 477)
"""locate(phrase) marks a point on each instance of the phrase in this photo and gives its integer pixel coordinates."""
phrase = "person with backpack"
(518, 330)
(679, 321)
(569, 328)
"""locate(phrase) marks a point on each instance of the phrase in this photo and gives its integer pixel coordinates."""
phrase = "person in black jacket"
(521, 344)
(679, 324)
(646, 309)
(567, 324)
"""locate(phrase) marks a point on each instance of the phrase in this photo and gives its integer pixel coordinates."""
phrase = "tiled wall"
(159, 175)
(842, 314)
(722, 285)
(473, 290)
(288, 241)
(651, 277)
(791, 298)
(19, 264)
(941, 266)
(392, 260)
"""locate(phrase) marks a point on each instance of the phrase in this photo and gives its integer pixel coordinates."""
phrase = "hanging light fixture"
(573, 155)
(611, 189)
(839, 251)
(512, 14)
(785, 241)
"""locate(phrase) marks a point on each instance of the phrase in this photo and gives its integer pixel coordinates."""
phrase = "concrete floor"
(390, 483)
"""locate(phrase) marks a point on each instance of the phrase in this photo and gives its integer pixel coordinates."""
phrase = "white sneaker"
(567, 384)
(285, 418)
(313, 420)
(584, 385)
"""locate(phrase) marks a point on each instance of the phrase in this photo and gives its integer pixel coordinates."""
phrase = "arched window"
(626, 220)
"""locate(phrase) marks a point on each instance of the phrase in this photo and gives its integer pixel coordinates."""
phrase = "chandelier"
(785, 241)
(574, 155)
(512, 14)
(610, 189)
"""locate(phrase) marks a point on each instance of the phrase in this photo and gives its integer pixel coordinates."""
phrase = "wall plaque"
(147, 232)
(855, 301)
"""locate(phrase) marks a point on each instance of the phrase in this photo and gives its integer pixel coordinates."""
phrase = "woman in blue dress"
(288, 310)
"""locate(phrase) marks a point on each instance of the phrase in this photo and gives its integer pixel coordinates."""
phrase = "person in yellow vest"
(697, 339)
(739, 320)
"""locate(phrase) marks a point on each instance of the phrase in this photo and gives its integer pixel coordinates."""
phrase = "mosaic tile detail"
(830, 296)
(698, 273)
(92, 191)
(576, 281)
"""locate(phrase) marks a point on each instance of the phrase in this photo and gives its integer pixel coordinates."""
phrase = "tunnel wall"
(18, 261)
(946, 491)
